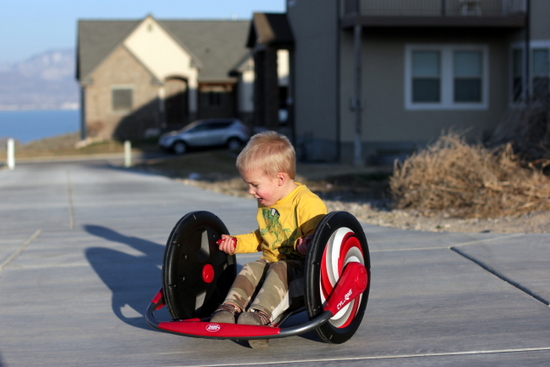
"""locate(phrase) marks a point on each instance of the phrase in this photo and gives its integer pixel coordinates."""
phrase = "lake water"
(26, 126)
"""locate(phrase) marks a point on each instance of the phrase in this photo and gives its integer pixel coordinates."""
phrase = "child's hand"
(303, 244)
(227, 244)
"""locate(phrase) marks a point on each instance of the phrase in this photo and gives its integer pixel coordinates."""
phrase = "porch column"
(82, 113)
(162, 106)
(193, 91)
(358, 99)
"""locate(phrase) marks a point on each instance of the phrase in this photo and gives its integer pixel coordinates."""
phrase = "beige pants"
(265, 286)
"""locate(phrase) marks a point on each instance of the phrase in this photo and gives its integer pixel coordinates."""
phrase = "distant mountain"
(44, 81)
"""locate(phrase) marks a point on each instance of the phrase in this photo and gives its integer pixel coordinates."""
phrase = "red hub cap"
(208, 273)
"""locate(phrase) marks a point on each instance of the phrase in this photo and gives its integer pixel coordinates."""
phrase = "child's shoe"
(224, 314)
(255, 317)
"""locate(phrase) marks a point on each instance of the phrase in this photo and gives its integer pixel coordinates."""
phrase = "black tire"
(234, 144)
(337, 240)
(196, 275)
(179, 147)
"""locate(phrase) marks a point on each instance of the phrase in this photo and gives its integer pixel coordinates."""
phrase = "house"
(140, 77)
(371, 80)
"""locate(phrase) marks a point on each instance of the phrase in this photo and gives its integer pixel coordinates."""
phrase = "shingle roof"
(242, 65)
(218, 44)
(269, 29)
(96, 39)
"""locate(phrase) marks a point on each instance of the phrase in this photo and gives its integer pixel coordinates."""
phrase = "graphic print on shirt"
(284, 237)
(271, 216)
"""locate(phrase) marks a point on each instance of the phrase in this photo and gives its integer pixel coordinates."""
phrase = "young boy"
(288, 213)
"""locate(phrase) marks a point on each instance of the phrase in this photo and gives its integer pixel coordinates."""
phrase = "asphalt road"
(81, 247)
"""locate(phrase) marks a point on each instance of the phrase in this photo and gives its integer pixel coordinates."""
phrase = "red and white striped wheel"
(338, 240)
(342, 248)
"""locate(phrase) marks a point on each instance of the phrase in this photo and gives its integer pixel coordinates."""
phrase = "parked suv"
(230, 133)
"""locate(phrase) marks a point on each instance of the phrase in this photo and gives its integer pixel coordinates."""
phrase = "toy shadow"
(133, 276)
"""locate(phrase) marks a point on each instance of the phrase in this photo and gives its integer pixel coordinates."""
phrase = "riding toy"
(196, 276)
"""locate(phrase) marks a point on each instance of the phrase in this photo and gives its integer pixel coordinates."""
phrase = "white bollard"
(127, 153)
(11, 154)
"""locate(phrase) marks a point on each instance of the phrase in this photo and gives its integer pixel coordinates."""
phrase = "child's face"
(267, 190)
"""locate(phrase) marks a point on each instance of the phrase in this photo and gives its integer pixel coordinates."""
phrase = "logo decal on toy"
(347, 297)
(213, 328)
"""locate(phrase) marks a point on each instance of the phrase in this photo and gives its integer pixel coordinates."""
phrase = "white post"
(11, 154)
(127, 153)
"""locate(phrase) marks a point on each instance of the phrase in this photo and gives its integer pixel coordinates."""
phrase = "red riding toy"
(196, 276)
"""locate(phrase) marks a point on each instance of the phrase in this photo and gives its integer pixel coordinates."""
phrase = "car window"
(201, 127)
(218, 125)
(209, 126)
(224, 125)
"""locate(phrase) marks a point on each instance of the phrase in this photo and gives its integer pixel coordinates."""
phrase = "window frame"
(215, 98)
(118, 88)
(447, 77)
(520, 46)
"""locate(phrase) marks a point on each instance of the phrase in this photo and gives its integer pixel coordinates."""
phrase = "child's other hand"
(303, 244)
(227, 244)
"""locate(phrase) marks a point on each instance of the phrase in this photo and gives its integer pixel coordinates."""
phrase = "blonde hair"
(269, 152)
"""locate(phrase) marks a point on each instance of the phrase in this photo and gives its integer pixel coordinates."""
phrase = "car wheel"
(179, 147)
(234, 144)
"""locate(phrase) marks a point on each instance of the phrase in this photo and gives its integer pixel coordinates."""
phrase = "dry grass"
(469, 181)
(215, 170)
(61, 145)
(528, 130)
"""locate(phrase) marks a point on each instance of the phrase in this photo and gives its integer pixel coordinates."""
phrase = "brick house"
(140, 77)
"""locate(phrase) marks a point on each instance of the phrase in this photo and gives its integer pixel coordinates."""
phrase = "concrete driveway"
(81, 247)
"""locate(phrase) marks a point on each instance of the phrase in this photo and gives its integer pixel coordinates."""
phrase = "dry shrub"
(528, 130)
(468, 181)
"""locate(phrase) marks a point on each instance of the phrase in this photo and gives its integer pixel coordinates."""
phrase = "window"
(211, 126)
(540, 74)
(539, 71)
(214, 98)
(517, 75)
(446, 77)
(122, 99)
(426, 76)
(467, 76)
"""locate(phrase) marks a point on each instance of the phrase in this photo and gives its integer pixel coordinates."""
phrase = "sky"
(30, 27)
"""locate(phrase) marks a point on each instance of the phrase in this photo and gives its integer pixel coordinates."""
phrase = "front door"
(176, 103)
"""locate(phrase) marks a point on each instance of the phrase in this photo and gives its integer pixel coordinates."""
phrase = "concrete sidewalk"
(81, 247)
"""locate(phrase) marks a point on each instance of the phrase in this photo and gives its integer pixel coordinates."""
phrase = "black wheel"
(337, 240)
(234, 144)
(179, 147)
(196, 274)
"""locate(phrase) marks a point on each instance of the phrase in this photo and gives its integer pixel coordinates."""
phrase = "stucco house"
(373, 79)
(139, 77)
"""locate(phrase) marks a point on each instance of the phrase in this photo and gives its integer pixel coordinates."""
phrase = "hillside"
(44, 81)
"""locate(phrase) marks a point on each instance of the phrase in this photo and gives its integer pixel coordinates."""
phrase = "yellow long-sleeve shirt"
(282, 224)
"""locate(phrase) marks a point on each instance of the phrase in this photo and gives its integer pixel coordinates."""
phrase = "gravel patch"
(376, 210)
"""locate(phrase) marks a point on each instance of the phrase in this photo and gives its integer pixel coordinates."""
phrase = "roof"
(242, 65)
(269, 29)
(217, 44)
(96, 39)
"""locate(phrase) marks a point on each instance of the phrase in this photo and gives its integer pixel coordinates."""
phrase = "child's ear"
(281, 178)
